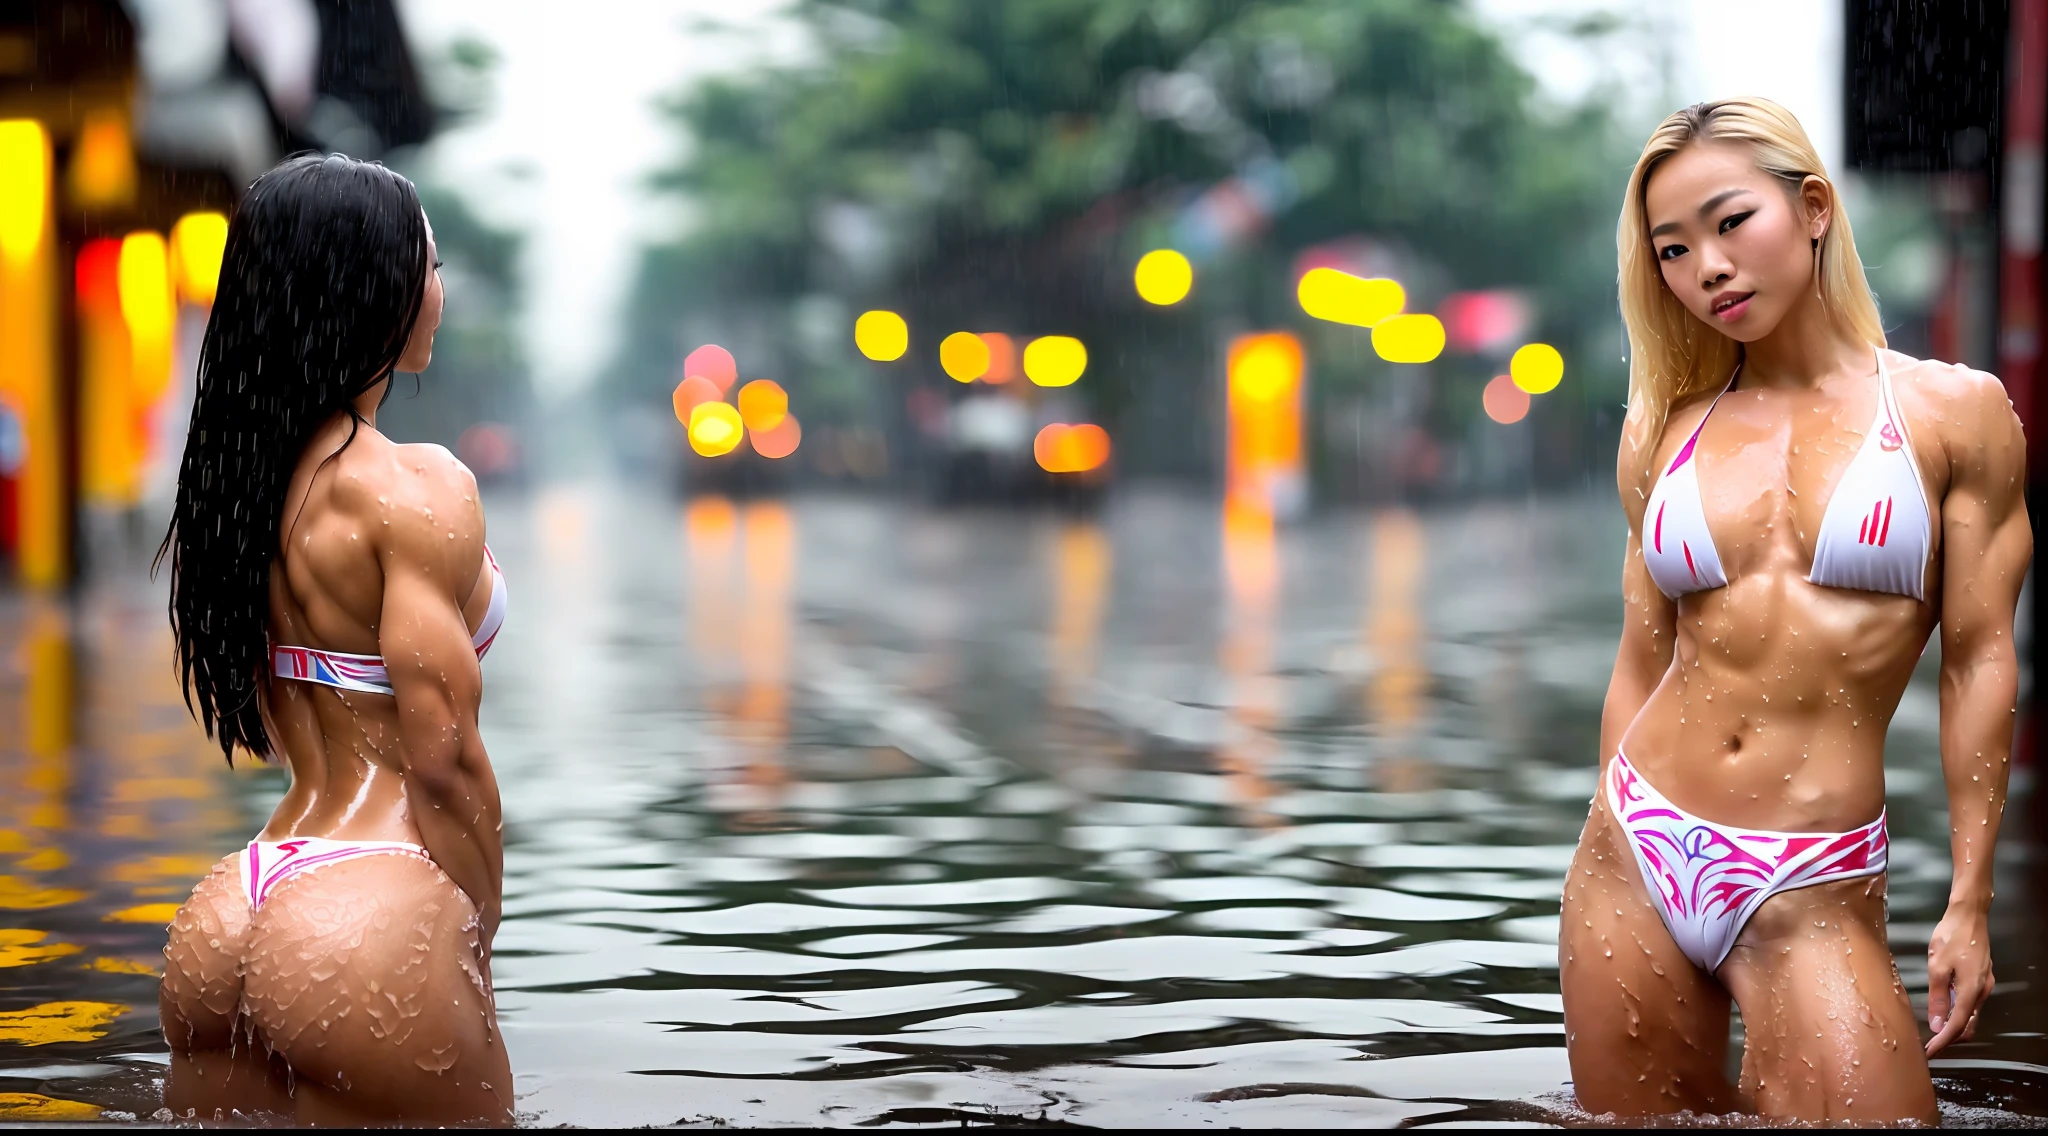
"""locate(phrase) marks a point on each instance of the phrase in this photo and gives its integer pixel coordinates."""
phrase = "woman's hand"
(1958, 975)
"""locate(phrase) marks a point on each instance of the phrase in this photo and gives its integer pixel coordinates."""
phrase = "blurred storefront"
(126, 133)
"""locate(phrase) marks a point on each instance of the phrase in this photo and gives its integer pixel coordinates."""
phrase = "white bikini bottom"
(1707, 879)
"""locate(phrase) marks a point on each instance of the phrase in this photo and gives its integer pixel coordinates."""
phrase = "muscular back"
(1769, 698)
(358, 519)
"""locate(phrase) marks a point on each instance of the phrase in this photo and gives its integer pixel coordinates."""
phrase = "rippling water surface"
(835, 811)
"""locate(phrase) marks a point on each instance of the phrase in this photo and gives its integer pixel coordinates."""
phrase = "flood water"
(842, 811)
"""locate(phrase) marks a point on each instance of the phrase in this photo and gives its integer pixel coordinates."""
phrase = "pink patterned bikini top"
(1875, 536)
(366, 673)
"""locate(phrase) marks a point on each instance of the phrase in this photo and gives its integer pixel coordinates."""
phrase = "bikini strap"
(1887, 398)
(1685, 451)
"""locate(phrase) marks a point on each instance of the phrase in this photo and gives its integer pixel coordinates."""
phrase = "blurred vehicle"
(1003, 445)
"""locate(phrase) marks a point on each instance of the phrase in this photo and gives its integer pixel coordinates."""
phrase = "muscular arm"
(1649, 620)
(1986, 545)
(432, 554)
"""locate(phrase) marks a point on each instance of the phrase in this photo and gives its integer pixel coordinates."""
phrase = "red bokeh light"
(714, 363)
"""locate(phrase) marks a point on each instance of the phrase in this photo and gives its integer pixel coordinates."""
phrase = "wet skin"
(360, 992)
(1764, 704)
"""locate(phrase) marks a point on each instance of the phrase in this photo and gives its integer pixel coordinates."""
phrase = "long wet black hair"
(320, 284)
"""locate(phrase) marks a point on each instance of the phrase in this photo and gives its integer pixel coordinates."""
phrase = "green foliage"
(999, 164)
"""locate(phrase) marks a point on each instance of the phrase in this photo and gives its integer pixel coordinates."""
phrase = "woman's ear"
(1817, 200)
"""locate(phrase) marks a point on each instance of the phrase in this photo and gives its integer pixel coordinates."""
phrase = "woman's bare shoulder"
(1946, 386)
(415, 500)
(1960, 405)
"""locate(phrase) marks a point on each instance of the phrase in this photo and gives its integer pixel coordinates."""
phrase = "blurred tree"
(1000, 166)
(479, 373)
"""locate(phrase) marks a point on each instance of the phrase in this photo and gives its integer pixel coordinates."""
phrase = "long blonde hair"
(1672, 354)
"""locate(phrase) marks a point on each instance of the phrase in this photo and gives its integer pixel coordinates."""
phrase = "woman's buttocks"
(1773, 714)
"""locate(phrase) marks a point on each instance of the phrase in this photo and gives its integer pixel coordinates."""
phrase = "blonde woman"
(1805, 508)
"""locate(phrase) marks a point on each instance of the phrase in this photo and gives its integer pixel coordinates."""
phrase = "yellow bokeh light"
(1265, 367)
(145, 282)
(24, 187)
(964, 356)
(1054, 360)
(1408, 339)
(197, 242)
(763, 404)
(148, 307)
(1537, 367)
(1164, 277)
(715, 428)
(881, 335)
(1340, 297)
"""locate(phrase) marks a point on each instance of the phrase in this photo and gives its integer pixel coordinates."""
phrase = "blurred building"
(127, 131)
(1955, 93)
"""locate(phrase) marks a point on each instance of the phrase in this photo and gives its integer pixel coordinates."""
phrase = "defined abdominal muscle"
(1786, 756)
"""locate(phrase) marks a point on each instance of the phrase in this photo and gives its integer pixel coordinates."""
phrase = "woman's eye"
(437, 266)
(1670, 252)
(1734, 219)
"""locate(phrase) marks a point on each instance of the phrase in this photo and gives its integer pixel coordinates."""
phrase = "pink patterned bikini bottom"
(1707, 879)
(266, 864)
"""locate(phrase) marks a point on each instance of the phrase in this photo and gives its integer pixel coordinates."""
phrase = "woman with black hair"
(331, 596)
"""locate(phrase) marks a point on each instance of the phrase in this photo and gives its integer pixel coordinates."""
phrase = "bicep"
(427, 652)
(1987, 540)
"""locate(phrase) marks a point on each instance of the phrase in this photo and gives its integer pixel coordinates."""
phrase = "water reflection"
(109, 807)
(1251, 567)
(742, 564)
(1393, 632)
(835, 811)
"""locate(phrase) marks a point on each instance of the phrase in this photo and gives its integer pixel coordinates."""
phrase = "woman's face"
(419, 350)
(1735, 245)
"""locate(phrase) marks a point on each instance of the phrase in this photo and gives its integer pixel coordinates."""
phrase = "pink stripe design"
(1708, 879)
(1685, 451)
(1689, 565)
(291, 857)
(1887, 530)
(1658, 541)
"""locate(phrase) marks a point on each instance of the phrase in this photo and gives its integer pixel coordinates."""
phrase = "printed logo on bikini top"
(1888, 438)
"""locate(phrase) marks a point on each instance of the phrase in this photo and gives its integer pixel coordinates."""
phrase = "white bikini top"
(1875, 535)
(366, 673)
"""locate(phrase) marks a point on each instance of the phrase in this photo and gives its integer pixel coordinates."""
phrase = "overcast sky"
(573, 129)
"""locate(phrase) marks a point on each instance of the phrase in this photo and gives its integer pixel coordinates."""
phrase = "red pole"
(2023, 316)
(2026, 115)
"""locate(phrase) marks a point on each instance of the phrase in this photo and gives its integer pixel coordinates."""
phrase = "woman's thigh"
(1829, 1030)
(1646, 1030)
(366, 977)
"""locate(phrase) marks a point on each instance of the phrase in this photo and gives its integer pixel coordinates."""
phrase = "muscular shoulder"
(423, 506)
(1967, 412)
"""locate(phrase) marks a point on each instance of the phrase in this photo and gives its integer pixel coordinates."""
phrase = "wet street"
(842, 811)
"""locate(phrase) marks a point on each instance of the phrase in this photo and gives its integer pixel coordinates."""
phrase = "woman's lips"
(1729, 313)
